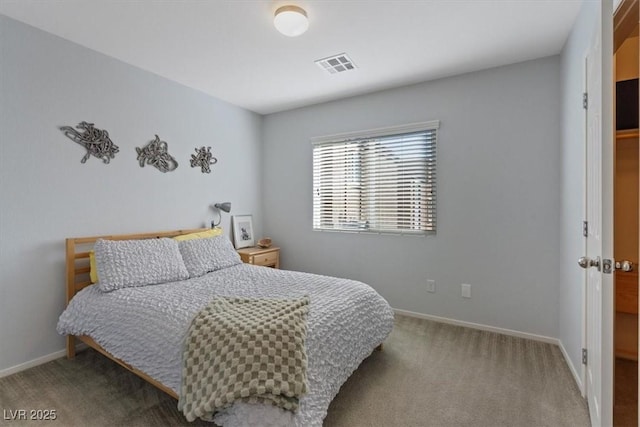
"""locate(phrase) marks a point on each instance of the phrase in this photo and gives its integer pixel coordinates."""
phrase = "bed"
(142, 328)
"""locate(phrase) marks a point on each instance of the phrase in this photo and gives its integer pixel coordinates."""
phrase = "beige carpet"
(429, 374)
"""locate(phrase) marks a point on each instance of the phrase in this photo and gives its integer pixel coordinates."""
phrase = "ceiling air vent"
(336, 64)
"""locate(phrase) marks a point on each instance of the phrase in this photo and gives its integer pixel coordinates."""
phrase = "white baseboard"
(479, 326)
(576, 376)
(39, 361)
(32, 363)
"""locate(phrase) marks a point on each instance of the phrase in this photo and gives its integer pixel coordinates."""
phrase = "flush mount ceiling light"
(291, 20)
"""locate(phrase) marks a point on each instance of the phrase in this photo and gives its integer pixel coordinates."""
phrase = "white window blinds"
(376, 181)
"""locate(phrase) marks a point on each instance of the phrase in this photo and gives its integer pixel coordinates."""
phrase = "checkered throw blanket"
(244, 349)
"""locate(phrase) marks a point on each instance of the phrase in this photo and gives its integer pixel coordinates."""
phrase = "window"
(376, 181)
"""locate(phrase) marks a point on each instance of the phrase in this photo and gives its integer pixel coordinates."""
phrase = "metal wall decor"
(204, 159)
(96, 141)
(156, 154)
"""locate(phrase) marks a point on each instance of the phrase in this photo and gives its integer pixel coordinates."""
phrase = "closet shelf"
(627, 134)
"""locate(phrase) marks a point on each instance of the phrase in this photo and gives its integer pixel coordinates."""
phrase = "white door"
(593, 259)
(599, 238)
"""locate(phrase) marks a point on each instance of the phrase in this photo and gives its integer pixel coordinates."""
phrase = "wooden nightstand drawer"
(269, 257)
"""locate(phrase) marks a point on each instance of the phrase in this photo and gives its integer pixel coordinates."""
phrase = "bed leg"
(379, 348)
(71, 347)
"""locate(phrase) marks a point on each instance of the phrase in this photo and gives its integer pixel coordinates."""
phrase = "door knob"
(586, 262)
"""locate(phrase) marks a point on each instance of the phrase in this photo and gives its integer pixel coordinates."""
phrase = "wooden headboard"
(78, 255)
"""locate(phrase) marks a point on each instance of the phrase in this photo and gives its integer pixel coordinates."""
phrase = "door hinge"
(585, 100)
(584, 356)
(585, 228)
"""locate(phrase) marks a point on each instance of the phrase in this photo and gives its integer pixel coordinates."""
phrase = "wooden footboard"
(77, 272)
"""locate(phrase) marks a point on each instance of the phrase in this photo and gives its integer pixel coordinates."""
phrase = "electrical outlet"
(466, 290)
(431, 285)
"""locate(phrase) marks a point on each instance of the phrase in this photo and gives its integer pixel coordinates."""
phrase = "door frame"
(625, 19)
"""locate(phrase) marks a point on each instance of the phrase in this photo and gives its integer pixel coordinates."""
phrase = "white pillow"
(202, 256)
(126, 263)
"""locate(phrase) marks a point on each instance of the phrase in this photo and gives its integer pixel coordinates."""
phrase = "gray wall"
(498, 197)
(48, 195)
(573, 134)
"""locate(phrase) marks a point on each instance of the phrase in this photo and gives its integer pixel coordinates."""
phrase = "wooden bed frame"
(77, 265)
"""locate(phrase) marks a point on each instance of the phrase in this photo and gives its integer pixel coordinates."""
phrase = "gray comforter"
(145, 327)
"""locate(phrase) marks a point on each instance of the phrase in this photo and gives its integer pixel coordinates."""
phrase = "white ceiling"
(230, 49)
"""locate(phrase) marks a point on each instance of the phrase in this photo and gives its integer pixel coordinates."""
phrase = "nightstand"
(268, 257)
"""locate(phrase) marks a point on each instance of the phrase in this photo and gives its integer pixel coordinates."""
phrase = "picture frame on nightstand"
(243, 231)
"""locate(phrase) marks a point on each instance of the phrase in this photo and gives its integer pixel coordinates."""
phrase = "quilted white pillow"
(126, 263)
(202, 256)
